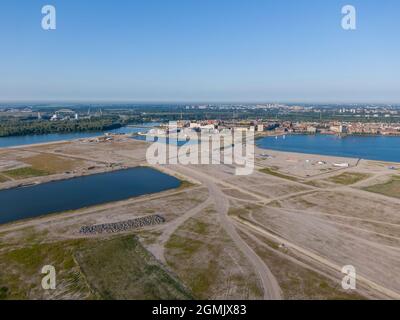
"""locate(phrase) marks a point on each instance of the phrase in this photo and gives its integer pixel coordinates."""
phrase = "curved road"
(270, 285)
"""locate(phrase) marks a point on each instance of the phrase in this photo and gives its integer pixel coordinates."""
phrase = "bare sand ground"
(282, 235)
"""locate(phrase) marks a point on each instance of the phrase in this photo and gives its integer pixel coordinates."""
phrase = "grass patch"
(277, 174)
(42, 165)
(52, 163)
(316, 183)
(243, 211)
(390, 188)
(200, 228)
(275, 204)
(185, 184)
(85, 269)
(3, 178)
(20, 272)
(186, 249)
(28, 172)
(303, 203)
(122, 269)
(199, 253)
(199, 279)
(3, 293)
(349, 178)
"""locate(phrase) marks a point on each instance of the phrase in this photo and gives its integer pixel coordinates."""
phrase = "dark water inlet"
(75, 193)
(381, 148)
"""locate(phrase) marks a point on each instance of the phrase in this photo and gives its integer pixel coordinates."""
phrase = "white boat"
(341, 165)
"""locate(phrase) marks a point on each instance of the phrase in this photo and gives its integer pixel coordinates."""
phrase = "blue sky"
(200, 50)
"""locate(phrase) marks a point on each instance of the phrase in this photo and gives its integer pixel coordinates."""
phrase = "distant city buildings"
(260, 118)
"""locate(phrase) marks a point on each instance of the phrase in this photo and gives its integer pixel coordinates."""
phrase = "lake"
(54, 137)
(364, 147)
(75, 193)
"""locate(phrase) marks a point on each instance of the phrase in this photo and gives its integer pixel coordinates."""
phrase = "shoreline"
(327, 134)
(90, 134)
(337, 155)
(150, 194)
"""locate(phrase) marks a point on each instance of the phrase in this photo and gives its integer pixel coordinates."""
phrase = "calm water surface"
(368, 147)
(54, 137)
(72, 194)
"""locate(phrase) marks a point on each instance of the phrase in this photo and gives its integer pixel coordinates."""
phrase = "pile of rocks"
(123, 225)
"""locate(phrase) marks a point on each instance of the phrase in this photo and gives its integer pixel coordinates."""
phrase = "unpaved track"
(271, 288)
(159, 248)
(314, 257)
(290, 258)
(56, 217)
(223, 206)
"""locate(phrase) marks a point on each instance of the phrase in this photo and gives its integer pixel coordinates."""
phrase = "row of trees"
(17, 127)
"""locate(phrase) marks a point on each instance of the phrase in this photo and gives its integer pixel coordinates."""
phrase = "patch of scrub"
(52, 163)
(275, 173)
(26, 172)
(21, 277)
(208, 262)
(349, 178)
(390, 188)
(122, 269)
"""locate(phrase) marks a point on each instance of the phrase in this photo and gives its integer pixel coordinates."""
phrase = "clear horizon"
(176, 102)
(193, 51)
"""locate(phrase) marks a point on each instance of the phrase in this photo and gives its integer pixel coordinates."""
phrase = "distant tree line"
(115, 118)
(18, 127)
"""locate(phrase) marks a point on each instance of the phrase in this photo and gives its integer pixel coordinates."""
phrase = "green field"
(390, 188)
(20, 271)
(202, 254)
(277, 174)
(27, 172)
(122, 269)
(349, 178)
(185, 184)
(3, 178)
(85, 269)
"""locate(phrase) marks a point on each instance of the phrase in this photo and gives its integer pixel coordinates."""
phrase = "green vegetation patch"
(122, 269)
(27, 172)
(85, 269)
(349, 178)
(41, 165)
(277, 174)
(199, 253)
(3, 178)
(201, 277)
(390, 188)
(185, 184)
(21, 277)
(52, 164)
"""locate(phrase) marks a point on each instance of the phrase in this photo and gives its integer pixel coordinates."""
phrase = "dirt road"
(270, 285)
